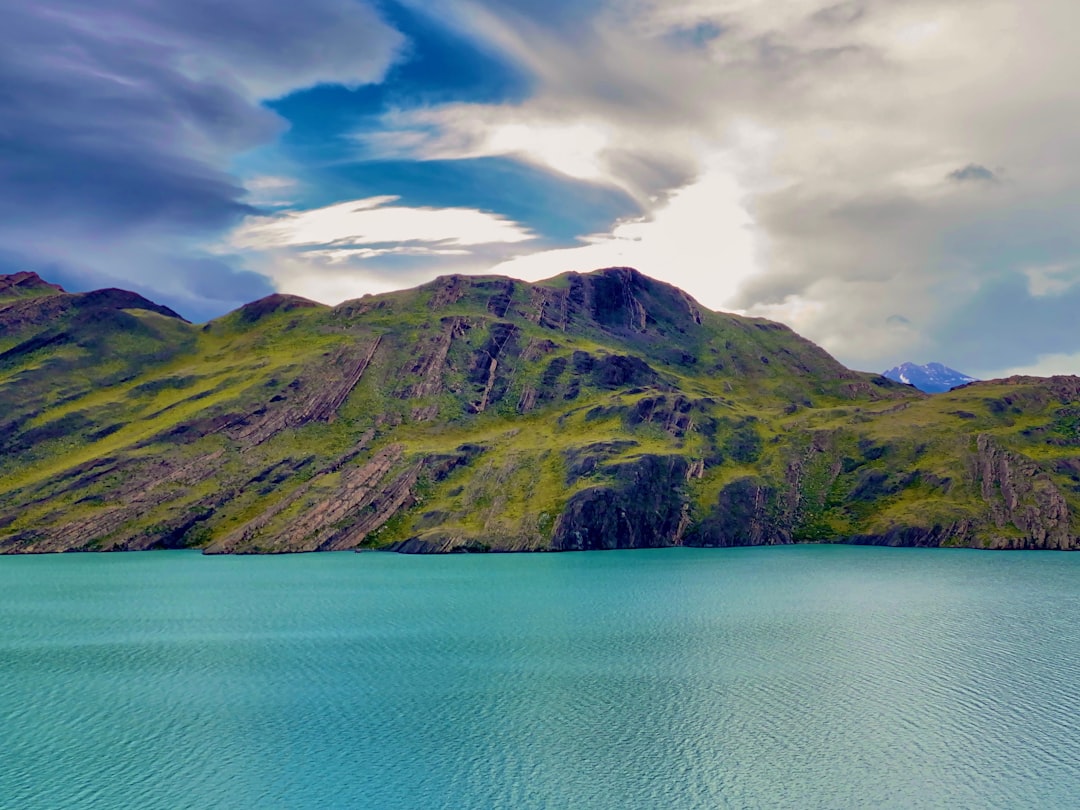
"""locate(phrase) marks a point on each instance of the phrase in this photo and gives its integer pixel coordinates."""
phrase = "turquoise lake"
(798, 677)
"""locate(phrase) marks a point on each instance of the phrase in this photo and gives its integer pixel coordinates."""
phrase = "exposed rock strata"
(314, 398)
(1024, 502)
(595, 411)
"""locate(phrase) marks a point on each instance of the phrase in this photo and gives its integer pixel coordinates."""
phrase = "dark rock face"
(619, 300)
(744, 515)
(502, 296)
(584, 461)
(611, 298)
(440, 543)
(915, 536)
(645, 506)
(618, 371)
(488, 365)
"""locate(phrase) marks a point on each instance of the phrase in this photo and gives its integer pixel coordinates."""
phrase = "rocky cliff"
(591, 411)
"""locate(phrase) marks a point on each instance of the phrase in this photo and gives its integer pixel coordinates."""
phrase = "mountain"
(26, 285)
(599, 410)
(933, 378)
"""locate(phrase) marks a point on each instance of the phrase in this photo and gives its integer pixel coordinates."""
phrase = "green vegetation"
(481, 413)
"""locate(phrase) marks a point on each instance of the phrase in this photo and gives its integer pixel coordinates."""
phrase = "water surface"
(797, 677)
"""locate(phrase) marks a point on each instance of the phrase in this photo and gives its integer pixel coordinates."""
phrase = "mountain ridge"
(930, 378)
(473, 413)
(26, 284)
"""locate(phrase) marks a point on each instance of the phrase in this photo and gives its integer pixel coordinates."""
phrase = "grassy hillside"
(590, 411)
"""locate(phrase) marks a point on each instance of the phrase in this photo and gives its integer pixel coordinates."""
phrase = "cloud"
(700, 239)
(121, 120)
(822, 162)
(1052, 279)
(857, 201)
(1045, 365)
(462, 131)
(374, 221)
(270, 191)
(329, 251)
(973, 172)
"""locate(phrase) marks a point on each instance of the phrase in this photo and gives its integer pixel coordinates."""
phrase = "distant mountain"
(933, 378)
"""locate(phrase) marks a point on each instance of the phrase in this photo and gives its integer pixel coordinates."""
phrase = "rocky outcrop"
(440, 542)
(644, 506)
(427, 368)
(366, 497)
(1024, 503)
(951, 534)
(313, 398)
(447, 291)
(488, 369)
(746, 513)
(115, 525)
(501, 297)
(617, 299)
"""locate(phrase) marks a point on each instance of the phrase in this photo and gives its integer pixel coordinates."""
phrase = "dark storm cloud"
(99, 133)
(1002, 326)
(840, 14)
(118, 121)
(973, 172)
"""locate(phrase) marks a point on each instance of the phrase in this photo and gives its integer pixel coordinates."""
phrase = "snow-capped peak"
(933, 378)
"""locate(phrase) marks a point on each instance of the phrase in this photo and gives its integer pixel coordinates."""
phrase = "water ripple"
(809, 677)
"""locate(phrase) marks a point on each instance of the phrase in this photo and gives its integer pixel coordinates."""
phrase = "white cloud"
(326, 281)
(1053, 279)
(584, 147)
(271, 191)
(859, 232)
(337, 255)
(458, 131)
(327, 253)
(373, 221)
(701, 239)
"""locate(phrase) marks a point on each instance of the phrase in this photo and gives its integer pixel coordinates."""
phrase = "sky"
(895, 179)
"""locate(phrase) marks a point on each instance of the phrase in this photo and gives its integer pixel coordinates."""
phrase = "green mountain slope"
(600, 410)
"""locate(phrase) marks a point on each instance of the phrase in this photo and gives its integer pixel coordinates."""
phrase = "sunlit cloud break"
(885, 177)
(374, 221)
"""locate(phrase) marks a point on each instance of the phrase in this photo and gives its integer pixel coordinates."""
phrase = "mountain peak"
(626, 300)
(26, 284)
(588, 411)
(932, 378)
(113, 298)
(275, 302)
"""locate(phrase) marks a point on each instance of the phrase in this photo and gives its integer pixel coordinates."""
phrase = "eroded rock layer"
(593, 411)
